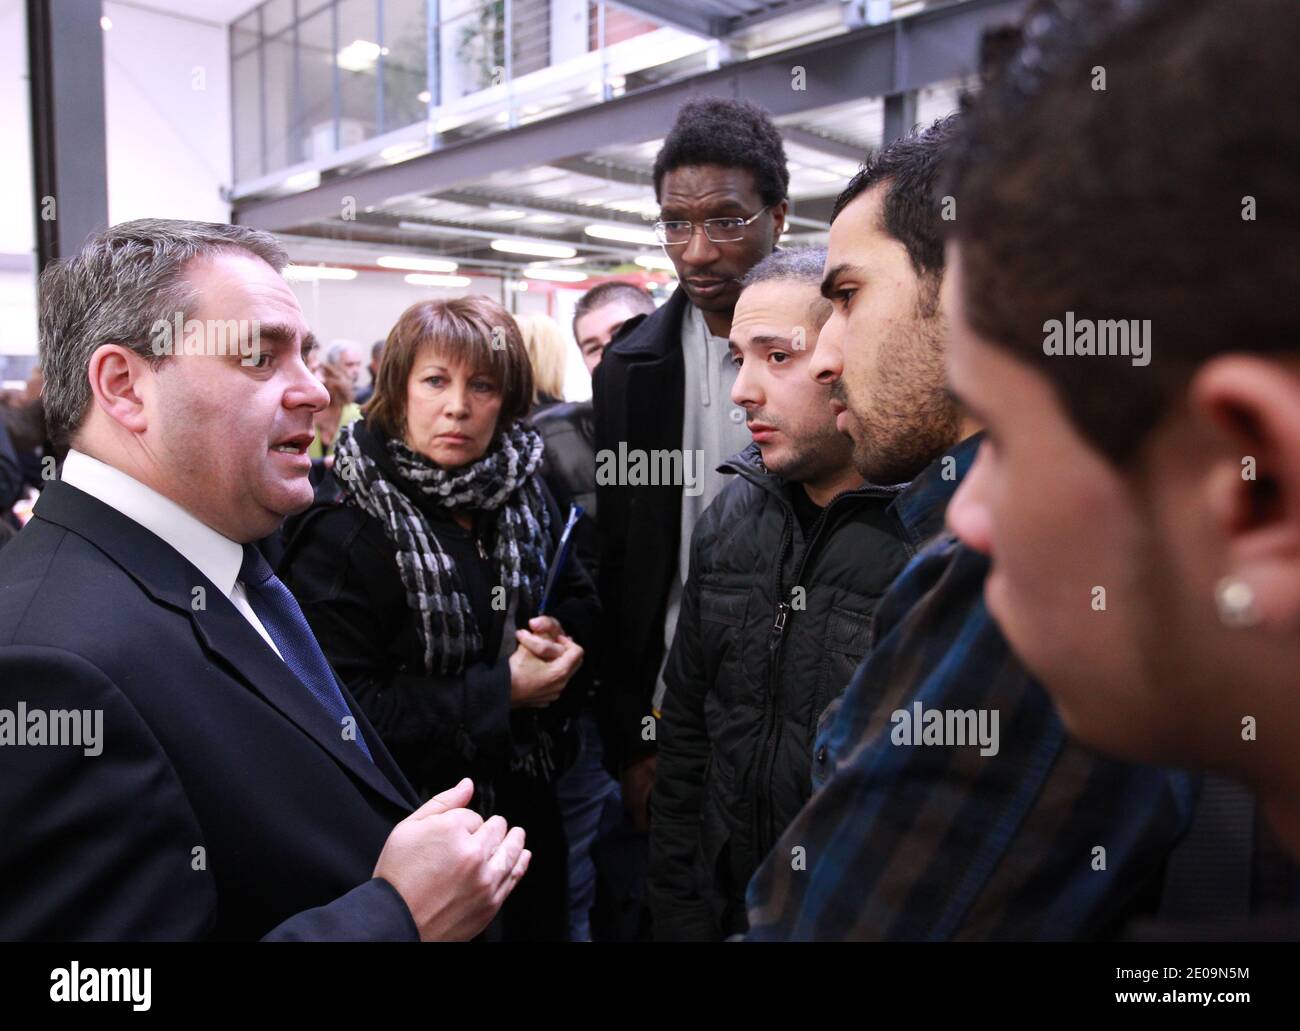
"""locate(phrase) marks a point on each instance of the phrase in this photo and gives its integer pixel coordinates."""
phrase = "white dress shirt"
(216, 557)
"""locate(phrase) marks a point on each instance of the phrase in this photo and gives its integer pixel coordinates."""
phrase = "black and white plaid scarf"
(502, 481)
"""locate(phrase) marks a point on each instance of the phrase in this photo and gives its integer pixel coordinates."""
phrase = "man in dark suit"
(177, 758)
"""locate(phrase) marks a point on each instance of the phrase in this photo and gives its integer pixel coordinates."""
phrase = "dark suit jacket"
(638, 394)
(225, 803)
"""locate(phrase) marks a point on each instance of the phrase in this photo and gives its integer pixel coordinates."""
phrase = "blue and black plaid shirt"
(1045, 839)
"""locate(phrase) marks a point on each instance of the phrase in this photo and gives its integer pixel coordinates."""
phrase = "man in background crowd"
(569, 428)
(588, 795)
(376, 356)
(787, 565)
(664, 387)
(348, 358)
(602, 312)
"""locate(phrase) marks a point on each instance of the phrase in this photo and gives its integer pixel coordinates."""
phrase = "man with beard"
(948, 802)
(787, 565)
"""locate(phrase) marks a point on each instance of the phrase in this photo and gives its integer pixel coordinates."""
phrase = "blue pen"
(561, 557)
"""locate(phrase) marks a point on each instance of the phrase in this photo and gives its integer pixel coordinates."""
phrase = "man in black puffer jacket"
(787, 565)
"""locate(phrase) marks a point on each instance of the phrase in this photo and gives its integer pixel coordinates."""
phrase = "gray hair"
(114, 290)
(804, 264)
(335, 354)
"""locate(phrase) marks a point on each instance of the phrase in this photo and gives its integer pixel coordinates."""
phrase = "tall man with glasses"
(664, 386)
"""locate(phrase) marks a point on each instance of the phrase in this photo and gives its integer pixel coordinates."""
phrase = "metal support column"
(70, 169)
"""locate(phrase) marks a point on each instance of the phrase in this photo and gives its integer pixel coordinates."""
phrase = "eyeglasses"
(718, 230)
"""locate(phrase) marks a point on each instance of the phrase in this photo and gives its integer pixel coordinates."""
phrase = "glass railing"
(326, 85)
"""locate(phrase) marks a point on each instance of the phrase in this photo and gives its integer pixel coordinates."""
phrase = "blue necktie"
(280, 614)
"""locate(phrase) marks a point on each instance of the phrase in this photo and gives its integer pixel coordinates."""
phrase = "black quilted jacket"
(772, 625)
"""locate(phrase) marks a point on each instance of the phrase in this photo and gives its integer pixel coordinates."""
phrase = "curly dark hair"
(730, 133)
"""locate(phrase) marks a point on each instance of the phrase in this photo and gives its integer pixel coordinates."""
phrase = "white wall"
(167, 112)
(363, 310)
(167, 101)
(17, 226)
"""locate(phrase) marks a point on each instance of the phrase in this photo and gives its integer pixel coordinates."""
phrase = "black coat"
(569, 468)
(209, 743)
(639, 390)
(744, 699)
(342, 567)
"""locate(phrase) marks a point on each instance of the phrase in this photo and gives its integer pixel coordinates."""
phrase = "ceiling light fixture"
(416, 264)
(556, 275)
(623, 234)
(360, 55)
(535, 248)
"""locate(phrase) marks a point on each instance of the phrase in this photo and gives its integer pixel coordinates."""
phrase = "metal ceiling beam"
(540, 206)
(683, 16)
(880, 60)
(597, 169)
(835, 148)
(748, 21)
(678, 16)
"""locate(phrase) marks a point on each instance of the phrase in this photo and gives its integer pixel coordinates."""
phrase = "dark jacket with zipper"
(774, 620)
(569, 468)
(638, 397)
(342, 568)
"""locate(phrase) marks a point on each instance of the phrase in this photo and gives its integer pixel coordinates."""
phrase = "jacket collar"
(654, 336)
(749, 464)
(170, 579)
(921, 507)
(217, 557)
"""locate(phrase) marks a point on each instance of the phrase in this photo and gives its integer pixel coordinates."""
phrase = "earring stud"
(1236, 603)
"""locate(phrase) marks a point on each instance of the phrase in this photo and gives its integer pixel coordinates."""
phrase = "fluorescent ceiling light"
(499, 215)
(546, 220)
(534, 247)
(653, 262)
(416, 264)
(360, 55)
(307, 273)
(623, 234)
(557, 275)
(424, 279)
(303, 180)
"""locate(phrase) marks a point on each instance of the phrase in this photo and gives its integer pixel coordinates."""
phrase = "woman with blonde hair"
(424, 583)
(544, 343)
